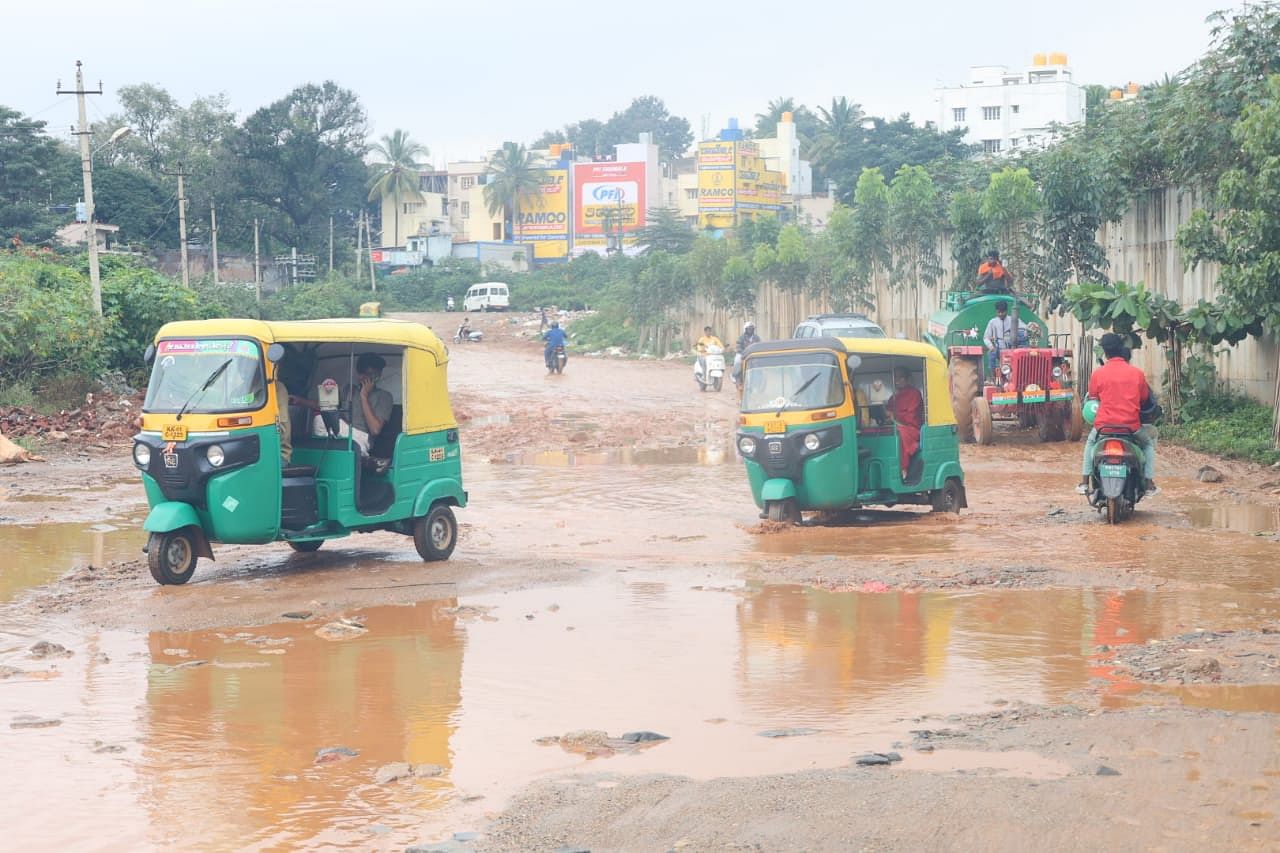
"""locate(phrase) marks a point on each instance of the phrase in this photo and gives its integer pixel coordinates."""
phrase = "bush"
(608, 328)
(1228, 425)
(47, 322)
(332, 297)
(136, 302)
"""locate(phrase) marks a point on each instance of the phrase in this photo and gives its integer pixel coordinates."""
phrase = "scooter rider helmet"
(748, 326)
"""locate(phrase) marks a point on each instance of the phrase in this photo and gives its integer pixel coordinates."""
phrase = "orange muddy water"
(612, 575)
(223, 727)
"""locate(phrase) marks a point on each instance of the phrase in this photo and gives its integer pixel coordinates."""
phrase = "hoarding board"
(609, 197)
(543, 217)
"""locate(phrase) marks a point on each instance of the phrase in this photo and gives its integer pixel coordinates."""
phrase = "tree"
(837, 126)
(648, 114)
(968, 236)
(665, 230)
(1010, 206)
(869, 235)
(1245, 238)
(915, 220)
(787, 262)
(396, 174)
(302, 158)
(806, 122)
(34, 169)
(511, 173)
(1077, 198)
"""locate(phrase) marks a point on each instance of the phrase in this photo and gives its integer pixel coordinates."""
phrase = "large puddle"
(34, 554)
(210, 738)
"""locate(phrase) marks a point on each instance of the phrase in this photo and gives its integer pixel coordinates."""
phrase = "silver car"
(839, 326)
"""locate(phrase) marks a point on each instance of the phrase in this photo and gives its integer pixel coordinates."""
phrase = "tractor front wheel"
(966, 385)
(983, 430)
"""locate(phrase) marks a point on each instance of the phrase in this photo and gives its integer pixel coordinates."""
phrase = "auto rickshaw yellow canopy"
(426, 358)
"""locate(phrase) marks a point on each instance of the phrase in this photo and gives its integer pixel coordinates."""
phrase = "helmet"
(748, 325)
(555, 324)
(1089, 411)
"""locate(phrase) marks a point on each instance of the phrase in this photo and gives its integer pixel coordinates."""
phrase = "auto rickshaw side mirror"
(149, 354)
(854, 361)
(275, 353)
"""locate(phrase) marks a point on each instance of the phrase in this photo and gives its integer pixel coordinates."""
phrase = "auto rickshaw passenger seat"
(384, 443)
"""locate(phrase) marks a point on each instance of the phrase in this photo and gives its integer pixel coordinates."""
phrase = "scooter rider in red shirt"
(1121, 391)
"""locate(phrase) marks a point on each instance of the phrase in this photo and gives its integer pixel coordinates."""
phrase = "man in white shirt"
(999, 334)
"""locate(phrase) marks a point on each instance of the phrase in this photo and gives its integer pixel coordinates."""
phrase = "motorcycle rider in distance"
(708, 339)
(746, 339)
(464, 330)
(1121, 391)
(448, 303)
(554, 337)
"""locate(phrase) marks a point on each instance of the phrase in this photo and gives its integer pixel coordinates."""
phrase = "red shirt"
(1120, 389)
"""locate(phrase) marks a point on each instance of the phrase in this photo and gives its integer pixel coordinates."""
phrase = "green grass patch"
(1231, 426)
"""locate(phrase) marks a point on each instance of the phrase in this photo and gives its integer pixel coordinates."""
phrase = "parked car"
(486, 296)
(839, 326)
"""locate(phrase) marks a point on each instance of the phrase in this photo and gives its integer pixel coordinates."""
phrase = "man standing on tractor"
(1121, 391)
(998, 335)
(992, 275)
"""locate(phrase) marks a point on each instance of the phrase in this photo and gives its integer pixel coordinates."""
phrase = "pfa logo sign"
(612, 192)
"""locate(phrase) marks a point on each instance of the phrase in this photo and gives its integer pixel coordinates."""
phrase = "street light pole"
(86, 169)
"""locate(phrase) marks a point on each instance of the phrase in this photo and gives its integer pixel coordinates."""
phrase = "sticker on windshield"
(204, 347)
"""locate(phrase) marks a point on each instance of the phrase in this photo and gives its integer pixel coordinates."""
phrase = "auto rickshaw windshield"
(804, 380)
(183, 367)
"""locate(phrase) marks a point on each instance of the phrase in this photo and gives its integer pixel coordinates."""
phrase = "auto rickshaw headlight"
(812, 442)
(747, 445)
(215, 455)
(141, 455)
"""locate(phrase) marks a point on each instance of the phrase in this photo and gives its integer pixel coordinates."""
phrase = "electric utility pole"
(213, 232)
(257, 263)
(86, 169)
(182, 221)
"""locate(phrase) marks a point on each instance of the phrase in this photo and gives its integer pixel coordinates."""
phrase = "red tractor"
(1031, 383)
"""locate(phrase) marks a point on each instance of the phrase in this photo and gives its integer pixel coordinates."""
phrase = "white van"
(486, 296)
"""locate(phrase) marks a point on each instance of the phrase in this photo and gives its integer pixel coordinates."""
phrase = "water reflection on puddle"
(33, 554)
(691, 455)
(230, 721)
(1240, 517)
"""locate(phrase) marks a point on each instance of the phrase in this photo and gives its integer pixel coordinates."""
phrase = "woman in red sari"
(907, 407)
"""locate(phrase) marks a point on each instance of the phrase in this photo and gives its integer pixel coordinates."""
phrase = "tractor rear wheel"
(983, 430)
(966, 385)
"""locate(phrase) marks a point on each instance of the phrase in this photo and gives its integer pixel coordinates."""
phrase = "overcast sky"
(462, 77)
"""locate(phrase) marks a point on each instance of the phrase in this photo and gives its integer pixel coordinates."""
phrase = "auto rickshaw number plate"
(170, 460)
(775, 426)
(174, 432)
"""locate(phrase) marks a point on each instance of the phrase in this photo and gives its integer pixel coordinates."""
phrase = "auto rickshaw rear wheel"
(950, 498)
(172, 557)
(306, 546)
(435, 534)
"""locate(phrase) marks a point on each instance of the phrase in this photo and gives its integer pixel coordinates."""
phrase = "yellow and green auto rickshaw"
(255, 431)
(823, 427)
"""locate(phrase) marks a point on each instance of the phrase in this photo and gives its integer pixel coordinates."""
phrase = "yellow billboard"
(542, 217)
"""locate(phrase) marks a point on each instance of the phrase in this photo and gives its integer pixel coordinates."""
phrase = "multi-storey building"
(1003, 110)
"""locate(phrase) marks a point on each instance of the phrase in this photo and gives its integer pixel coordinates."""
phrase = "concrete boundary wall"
(1140, 248)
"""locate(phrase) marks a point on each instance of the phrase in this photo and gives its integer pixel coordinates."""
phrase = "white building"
(1003, 110)
(782, 154)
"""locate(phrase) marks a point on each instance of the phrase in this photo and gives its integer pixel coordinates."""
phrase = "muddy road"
(1029, 668)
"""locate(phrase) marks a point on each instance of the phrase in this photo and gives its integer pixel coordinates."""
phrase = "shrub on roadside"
(47, 322)
(136, 302)
(1225, 424)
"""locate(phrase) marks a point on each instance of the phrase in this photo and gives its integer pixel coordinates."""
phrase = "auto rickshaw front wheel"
(784, 510)
(435, 534)
(172, 557)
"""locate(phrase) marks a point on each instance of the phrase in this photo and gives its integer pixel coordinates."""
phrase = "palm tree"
(837, 128)
(512, 172)
(397, 174)
(767, 121)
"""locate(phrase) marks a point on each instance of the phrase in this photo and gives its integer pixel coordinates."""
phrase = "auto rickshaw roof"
(864, 346)
(364, 330)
